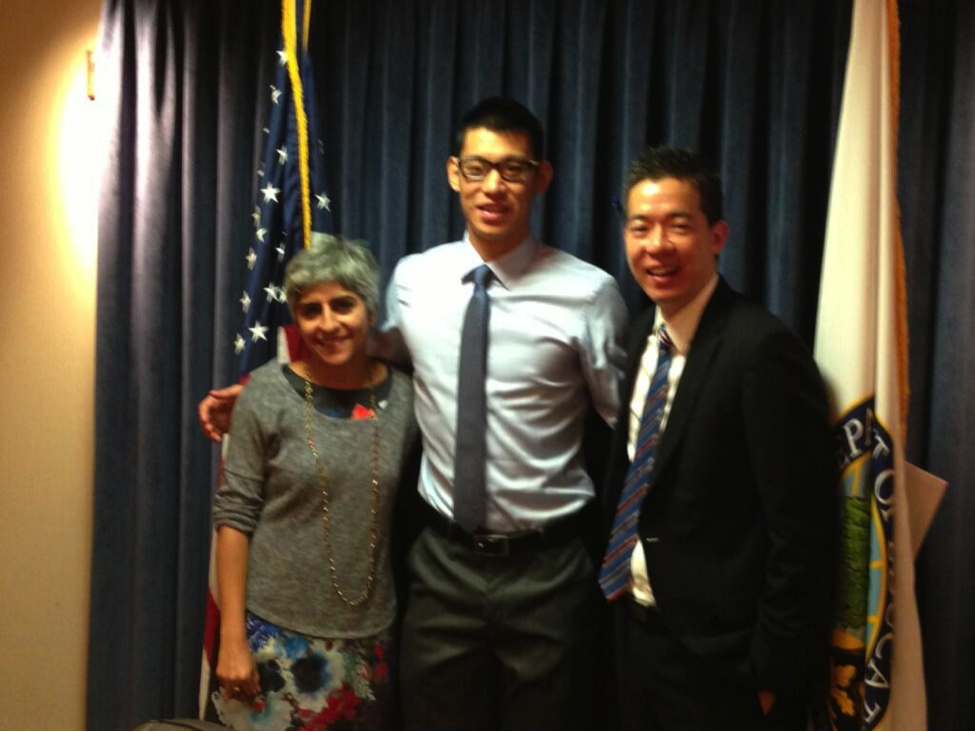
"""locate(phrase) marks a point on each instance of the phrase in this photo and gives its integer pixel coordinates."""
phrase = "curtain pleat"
(937, 188)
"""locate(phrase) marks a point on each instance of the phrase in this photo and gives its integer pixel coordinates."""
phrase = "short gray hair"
(333, 259)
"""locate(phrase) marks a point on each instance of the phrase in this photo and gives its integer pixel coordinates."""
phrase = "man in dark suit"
(721, 498)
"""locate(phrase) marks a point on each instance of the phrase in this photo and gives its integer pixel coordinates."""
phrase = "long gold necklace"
(326, 503)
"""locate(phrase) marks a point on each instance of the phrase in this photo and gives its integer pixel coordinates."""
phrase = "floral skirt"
(312, 683)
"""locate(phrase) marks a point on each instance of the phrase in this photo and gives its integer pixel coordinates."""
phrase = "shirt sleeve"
(387, 341)
(604, 354)
(240, 495)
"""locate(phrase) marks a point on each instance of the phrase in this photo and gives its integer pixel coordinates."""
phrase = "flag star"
(324, 201)
(251, 259)
(282, 155)
(260, 234)
(272, 293)
(282, 295)
(281, 251)
(275, 94)
(245, 301)
(282, 58)
(270, 193)
(257, 209)
(238, 344)
(266, 130)
(260, 172)
(258, 332)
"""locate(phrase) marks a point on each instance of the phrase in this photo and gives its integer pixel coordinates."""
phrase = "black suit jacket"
(739, 524)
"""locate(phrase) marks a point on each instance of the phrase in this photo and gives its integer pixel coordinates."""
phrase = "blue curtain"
(937, 191)
(179, 86)
(754, 84)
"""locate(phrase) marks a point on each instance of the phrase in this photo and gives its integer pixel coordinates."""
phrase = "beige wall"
(47, 330)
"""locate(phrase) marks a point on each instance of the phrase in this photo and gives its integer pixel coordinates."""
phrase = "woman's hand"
(235, 665)
(236, 670)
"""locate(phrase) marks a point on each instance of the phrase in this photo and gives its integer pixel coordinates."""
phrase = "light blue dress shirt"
(555, 346)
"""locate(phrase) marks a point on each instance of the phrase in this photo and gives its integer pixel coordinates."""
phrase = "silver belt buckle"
(491, 545)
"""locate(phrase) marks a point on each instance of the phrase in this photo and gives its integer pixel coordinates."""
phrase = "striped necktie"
(614, 575)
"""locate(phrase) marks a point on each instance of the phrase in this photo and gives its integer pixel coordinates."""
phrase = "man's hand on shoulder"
(215, 410)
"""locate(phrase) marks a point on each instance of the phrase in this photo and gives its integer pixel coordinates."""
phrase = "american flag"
(284, 214)
(291, 203)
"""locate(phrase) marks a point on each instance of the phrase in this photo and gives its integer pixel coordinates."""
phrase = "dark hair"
(502, 115)
(657, 163)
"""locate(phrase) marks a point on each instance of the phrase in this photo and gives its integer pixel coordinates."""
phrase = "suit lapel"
(704, 350)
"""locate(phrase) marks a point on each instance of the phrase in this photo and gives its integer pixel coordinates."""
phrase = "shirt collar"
(505, 268)
(683, 324)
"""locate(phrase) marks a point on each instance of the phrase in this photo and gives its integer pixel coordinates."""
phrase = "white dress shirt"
(555, 346)
(681, 327)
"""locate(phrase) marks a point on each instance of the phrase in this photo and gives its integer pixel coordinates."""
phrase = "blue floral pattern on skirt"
(312, 683)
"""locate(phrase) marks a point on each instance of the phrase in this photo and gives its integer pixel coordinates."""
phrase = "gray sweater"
(270, 491)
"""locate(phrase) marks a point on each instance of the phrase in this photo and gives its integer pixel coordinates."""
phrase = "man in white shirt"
(498, 627)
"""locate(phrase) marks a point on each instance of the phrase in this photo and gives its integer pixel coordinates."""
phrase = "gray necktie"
(470, 452)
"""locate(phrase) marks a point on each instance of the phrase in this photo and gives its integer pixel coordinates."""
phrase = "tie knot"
(481, 276)
(663, 337)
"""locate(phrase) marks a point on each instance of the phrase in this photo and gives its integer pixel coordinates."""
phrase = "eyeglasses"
(511, 170)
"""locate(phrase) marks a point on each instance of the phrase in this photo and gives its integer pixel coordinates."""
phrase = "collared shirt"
(681, 328)
(554, 346)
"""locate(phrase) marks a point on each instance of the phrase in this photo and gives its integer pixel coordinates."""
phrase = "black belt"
(491, 544)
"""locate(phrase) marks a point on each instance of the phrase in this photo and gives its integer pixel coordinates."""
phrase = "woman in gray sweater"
(317, 448)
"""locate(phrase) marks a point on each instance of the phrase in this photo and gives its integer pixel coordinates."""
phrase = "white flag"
(877, 679)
